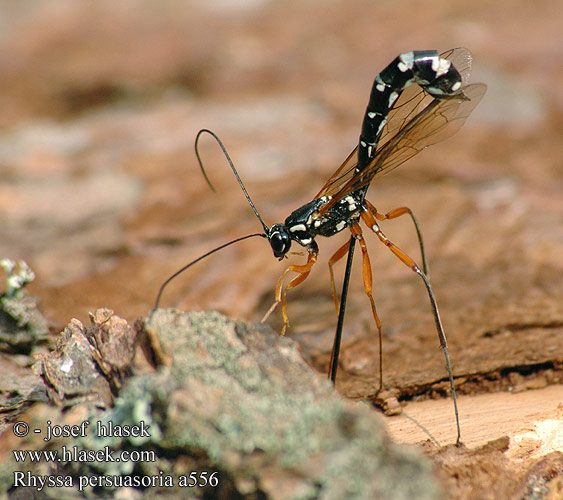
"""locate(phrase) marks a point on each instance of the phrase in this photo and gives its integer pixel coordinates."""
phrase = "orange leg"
(369, 216)
(368, 281)
(397, 212)
(281, 291)
(341, 252)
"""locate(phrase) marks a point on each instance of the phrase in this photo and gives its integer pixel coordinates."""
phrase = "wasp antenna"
(231, 164)
(187, 266)
(199, 158)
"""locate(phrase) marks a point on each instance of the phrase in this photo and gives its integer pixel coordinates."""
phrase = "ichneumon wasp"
(419, 99)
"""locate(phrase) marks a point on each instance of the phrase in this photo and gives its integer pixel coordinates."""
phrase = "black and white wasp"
(419, 99)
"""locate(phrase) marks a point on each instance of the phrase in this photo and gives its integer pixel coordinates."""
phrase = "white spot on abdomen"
(381, 125)
(435, 91)
(443, 67)
(407, 61)
(380, 84)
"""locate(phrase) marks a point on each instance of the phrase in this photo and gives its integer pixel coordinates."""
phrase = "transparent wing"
(411, 102)
(462, 60)
(342, 175)
(437, 121)
(442, 120)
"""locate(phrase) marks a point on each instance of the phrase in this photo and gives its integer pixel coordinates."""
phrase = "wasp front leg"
(281, 291)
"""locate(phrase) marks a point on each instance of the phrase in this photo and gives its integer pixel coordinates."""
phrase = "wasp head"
(279, 240)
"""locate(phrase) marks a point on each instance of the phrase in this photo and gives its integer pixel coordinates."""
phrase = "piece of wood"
(533, 421)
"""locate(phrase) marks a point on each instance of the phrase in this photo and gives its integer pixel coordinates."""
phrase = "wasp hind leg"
(370, 217)
(397, 212)
(281, 291)
(341, 252)
(368, 284)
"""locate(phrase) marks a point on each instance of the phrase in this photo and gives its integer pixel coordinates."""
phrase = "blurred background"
(101, 194)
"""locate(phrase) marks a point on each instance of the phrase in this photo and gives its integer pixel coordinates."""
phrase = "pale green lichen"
(21, 323)
(18, 275)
